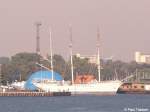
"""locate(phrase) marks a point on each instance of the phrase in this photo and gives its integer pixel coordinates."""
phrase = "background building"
(91, 58)
(142, 58)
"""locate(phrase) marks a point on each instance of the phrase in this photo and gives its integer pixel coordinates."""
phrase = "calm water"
(118, 103)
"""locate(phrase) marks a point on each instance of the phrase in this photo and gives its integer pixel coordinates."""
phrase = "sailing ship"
(93, 87)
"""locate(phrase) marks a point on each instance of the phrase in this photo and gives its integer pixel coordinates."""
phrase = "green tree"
(4, 60)
(20, 66)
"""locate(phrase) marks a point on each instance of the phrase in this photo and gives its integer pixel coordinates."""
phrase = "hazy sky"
(124, 25)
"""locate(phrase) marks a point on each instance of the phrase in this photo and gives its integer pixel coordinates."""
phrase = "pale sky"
(124, 26)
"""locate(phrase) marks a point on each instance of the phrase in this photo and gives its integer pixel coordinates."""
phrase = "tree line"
(22, 65)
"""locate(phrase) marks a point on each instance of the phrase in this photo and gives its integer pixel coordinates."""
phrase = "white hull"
(104, 87)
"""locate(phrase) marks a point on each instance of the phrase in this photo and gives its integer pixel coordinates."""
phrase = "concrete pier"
(36, 94)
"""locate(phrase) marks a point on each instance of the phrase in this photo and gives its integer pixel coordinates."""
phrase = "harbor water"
(118, 103)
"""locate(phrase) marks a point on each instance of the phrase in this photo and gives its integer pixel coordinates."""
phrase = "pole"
(70, 46)
(98, 55)
(51, 54)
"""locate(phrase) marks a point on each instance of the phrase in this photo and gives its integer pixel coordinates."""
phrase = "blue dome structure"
(41, 75)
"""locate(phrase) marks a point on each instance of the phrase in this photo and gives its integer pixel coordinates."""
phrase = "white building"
(91, 58)
(142, 58)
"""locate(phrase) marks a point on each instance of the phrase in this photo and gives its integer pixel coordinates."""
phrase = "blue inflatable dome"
(41, 75)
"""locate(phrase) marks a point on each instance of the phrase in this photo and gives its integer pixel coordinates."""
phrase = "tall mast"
(70, 46)
(51, 54)
(98, 55)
